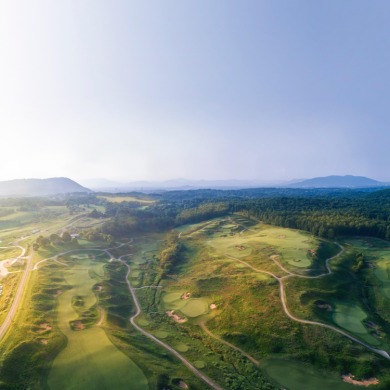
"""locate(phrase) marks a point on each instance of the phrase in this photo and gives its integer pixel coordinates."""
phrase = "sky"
(198, 89)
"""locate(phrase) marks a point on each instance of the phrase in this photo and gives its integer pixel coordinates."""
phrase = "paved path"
(206, 330)
(19, 293)
(284, 299)
(199, 374)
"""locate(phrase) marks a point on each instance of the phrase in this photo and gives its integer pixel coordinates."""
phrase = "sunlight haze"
(155, 90)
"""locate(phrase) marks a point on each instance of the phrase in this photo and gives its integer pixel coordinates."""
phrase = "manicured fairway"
(299, 376)
(382, 272)
(89, 360)
(350, 317)
(377, 252)
(293, 246)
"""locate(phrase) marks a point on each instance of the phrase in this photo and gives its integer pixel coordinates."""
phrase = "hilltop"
(40, 187)
(334, 181)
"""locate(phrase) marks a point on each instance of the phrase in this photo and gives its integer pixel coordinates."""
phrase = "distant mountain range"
(40, 187)
(63, 185)
(175, 184)
(347, 181)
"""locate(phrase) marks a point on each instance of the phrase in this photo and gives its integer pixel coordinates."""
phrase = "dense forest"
(323, 212)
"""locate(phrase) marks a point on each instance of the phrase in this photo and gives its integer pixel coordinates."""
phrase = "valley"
(225, 303)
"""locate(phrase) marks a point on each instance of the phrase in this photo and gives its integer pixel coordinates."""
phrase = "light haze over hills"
(40, 187)
(347, 181)
(153, 90)
(62, 185)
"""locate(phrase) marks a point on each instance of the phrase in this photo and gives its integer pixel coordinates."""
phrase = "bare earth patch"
(183, 385)
(364, 382)
(240, 247)
(44, 341)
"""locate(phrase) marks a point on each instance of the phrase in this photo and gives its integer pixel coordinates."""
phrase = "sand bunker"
(213, 306)
(323, 305)
(77, 325)
(175, 317)
(44, 327)
(185, 296)
(364, 382)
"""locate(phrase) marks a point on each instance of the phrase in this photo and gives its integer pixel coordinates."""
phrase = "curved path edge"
(283, 299)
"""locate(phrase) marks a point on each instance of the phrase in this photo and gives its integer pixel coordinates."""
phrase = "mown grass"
(294, 375)
(249, 312)
(119, 199)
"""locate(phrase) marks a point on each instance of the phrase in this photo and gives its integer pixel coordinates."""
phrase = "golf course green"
(292, 246)
(89, 360)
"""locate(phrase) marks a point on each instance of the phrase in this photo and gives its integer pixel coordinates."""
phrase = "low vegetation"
(207, 271)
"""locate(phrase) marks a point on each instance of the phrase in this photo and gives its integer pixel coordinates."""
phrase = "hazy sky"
(201, 89)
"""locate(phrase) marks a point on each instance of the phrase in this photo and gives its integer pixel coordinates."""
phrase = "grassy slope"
(89, 360)
(249, 311)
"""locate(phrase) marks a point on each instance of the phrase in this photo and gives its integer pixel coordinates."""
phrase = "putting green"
(161, 334)
(89, 360)
(142, 322)
(298, 376)
(181, 347)
(195, 308)
(199, 364)
(172, 297)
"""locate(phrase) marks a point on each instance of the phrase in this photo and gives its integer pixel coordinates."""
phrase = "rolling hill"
(40, 187)
(334, 181)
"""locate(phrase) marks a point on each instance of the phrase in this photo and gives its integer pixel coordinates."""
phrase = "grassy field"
(73, 327)
(297, 376)
(377, 260)
(248, 310)
(240, 239)
(118, 199)
(90, 360)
